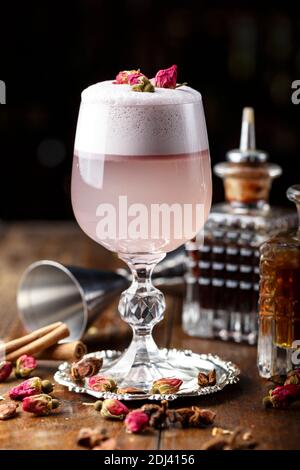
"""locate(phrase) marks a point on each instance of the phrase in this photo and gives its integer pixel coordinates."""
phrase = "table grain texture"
(236, 405)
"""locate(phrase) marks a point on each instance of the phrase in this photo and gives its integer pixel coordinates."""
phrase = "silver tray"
(227, 373)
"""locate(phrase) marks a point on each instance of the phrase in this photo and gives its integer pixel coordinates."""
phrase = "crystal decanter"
(222, 278)
(279, 300)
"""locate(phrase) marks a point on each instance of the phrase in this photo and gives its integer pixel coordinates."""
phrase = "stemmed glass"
(141, 187)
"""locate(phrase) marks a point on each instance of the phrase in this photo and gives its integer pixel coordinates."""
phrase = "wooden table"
(236, 405)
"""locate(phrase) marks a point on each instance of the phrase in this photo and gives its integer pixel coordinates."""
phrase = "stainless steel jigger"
(49, 292)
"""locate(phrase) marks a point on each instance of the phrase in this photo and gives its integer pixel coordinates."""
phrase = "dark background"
(50, 50)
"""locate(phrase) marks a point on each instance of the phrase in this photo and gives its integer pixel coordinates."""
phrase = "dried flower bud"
(86, 367)
(113, 409)
(136, 421)
(8, 410)
(30, 387)
(134, 78)
(282, 396)
(123, 77)
(166, 78)
(40, 405)
(143, 85)
(5, 370)
(207, 380)
(131, 390)
(201, 417)
(293, 377)
(98, 405)
(100, 383)
(166, 386)
(24, 366)
(107, 444)
(88, 437)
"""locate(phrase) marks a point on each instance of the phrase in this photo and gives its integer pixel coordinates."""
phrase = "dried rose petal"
(136, 421)
(29, 387)
(166, 386)
(166, 78)
(8, 410)
(24, 366)
(113, 409)
(5, 370)
(282, 396)
(40, 405)
(122, 77)
(86, 367)
(134, 78)
(100, 383)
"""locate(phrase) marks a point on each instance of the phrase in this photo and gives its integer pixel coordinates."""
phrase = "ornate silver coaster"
(227, 373)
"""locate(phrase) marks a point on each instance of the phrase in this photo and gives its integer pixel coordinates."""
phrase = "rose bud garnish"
(86, 367)
(113, 409)
(100, 383)
(5, 370)
(134, 78)
(40, 405)
(123, 77)
(282, 396)
(24, 366)
(8, 410)
(166, 386)
(29, 387)
(136, 421)
(166, 78)
(143, 85)
(293, 377)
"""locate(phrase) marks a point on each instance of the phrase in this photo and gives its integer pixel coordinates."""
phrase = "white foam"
(115, 120)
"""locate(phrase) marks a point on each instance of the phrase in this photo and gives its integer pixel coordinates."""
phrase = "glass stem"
(142, 306)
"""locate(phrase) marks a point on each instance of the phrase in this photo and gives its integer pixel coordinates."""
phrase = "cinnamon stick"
(65, 352)
(40, 344)
(14, 344)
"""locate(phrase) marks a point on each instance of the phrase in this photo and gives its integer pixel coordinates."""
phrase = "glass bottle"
(223, 273)
(279, 300)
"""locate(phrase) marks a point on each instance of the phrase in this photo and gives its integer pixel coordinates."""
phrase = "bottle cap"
(247, 151)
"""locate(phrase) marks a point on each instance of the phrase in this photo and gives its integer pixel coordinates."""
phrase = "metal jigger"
(49, 291)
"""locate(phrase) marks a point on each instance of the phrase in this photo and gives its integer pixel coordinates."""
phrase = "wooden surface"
(236, 405)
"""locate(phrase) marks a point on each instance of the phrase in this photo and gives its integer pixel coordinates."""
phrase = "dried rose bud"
(24, 366)
(100, 383)
(5, 370)
(143, 85)
(134, 78)
(113, 409)
(40, 405)
(166, 78)
(86, 367)
(98, 405)
(107, 444)
(136, 421)
(207, 380)
(29, 387)
(8, 410)
(123, 76)
(131, 390)
(166, 386)
(88, 437)
(293, 377)
(282, 396)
